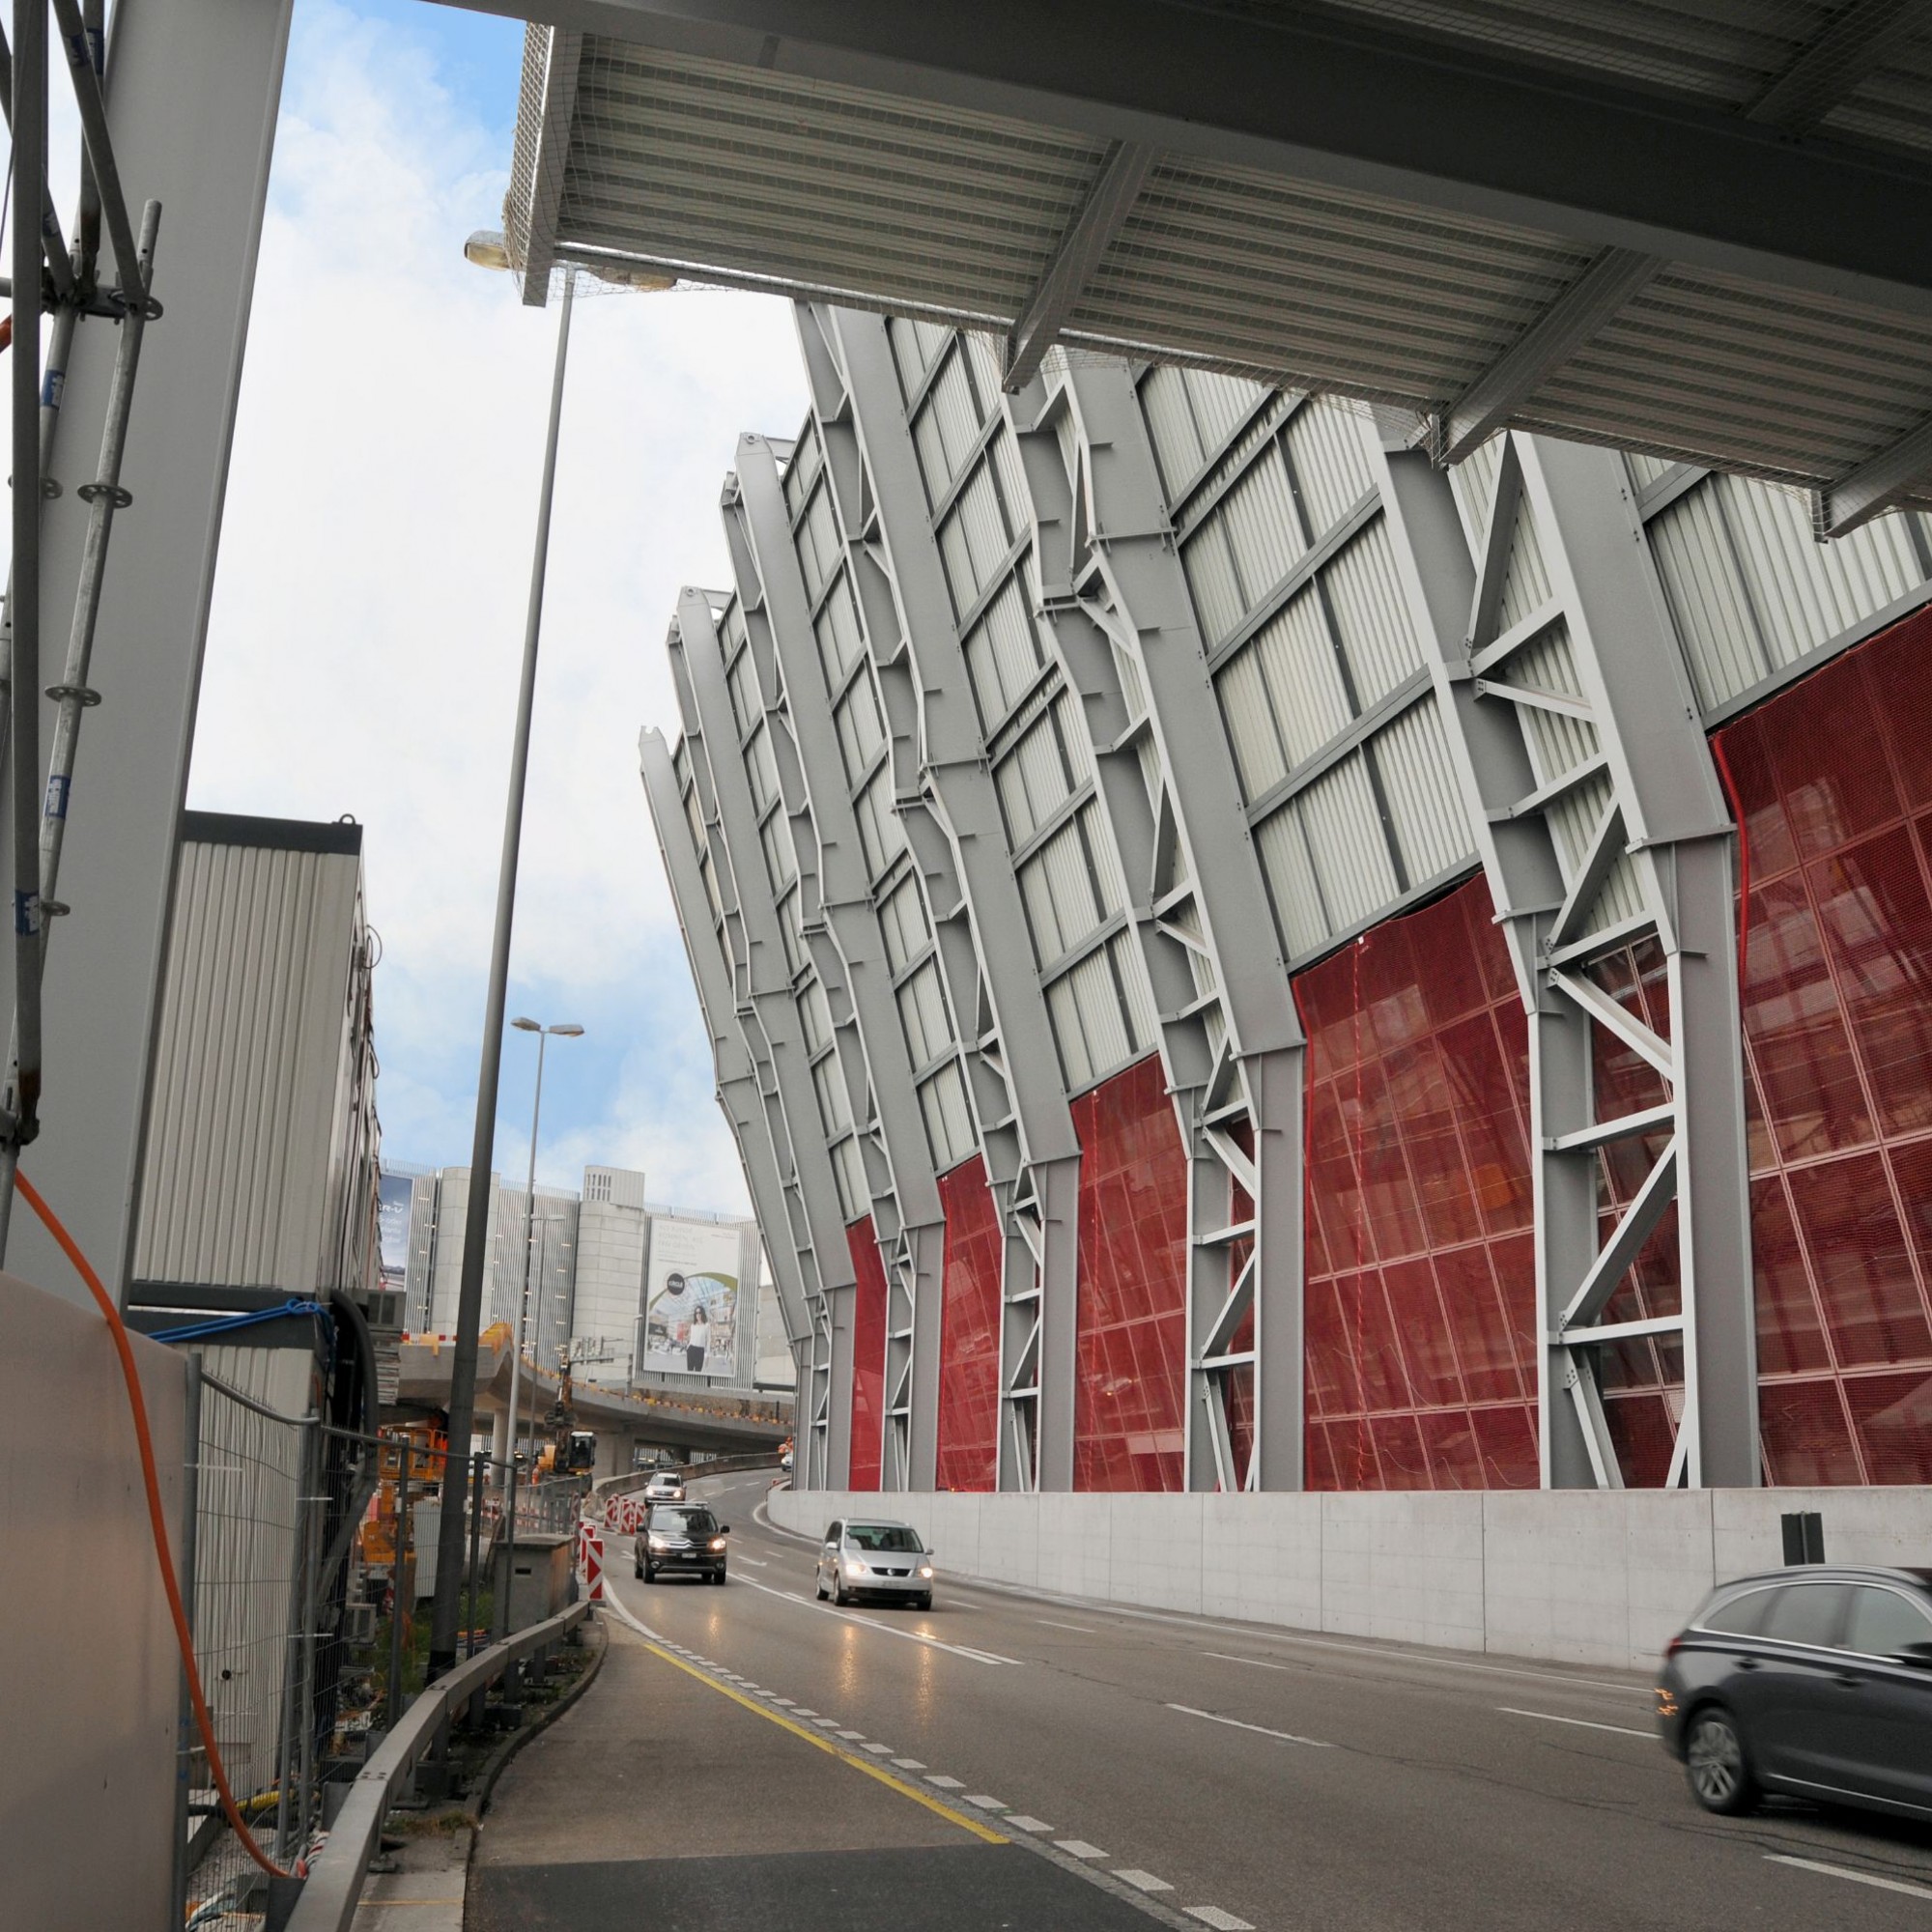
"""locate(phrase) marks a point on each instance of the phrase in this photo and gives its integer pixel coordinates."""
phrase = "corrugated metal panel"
(1709, 604)
(1263, 533)
(957, 415)
(1249, 717)
(1806, 591)
(1105, 1025)
(848, 1170)
(1076, 1065)
(1297, 660)
(976, 515)
(1347, 843)
(839, 639)
(1473, 483)
(1527, 580)
(908, 352)
(861, 731)
(1003, 653)
(1209, 566)
(1220, 402)
(1171, 428)
(1012, 480)
(1372, 614)
(1325, 442)
(1648, 469)
(902, 919)
(244, 1118)
(1290, 876)
(1142, 1022)
(1425, 799)
(1557, 743)
(1110, 888)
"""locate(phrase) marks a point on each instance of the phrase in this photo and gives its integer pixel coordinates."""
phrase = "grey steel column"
(960, 788)
(845, 897)
(1234, 1057)
(737, 1082)
(192, 100)
(1677, 825)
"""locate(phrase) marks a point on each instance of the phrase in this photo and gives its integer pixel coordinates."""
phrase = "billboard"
(393, 1227)
(691, 1299)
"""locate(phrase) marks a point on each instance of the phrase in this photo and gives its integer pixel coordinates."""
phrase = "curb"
(478, 1799)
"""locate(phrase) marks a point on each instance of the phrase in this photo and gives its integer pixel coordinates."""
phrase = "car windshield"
(882, 1536)
(684, 1522)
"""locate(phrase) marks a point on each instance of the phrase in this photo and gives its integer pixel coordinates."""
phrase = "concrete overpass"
(686, 1422)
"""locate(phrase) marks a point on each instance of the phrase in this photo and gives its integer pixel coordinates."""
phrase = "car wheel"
(1715, 1763)
(650, 1573)
(839, 1590)
(818, 1587)
(636, 1569)
(923, 1602)
(718, 1578)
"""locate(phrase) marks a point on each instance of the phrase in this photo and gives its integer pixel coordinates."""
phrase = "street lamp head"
(486, 249)
(526, 1026)
(568, 1030)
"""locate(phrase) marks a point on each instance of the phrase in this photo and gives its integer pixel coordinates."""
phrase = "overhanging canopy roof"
(1697, 228)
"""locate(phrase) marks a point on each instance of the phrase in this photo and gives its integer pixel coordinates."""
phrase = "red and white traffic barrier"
(592, 1551)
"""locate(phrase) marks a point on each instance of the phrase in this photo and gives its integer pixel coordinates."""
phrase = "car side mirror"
(1919, 1654)
(724, 1529)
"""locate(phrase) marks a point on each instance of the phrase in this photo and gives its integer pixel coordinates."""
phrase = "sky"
(370, 596)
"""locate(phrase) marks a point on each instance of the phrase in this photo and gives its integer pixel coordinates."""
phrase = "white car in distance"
(666, 1487)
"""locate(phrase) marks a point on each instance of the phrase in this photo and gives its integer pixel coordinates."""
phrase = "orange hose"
(156, 1516)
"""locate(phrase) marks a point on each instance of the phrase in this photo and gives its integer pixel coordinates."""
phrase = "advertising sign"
(691, 1299)
(393, 1227)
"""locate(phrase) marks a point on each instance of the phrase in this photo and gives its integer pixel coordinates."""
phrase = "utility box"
(532, 1581)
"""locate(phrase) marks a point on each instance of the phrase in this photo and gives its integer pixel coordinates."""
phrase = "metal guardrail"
(719, 1465)
(334, 1887)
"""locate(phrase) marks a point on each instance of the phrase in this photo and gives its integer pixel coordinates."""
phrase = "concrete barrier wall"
(90, 1688)
(1582, 1576)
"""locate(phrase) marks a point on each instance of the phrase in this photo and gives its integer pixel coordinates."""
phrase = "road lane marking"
(1857, 1876)
(878, 1751)
(1582, 1723)
(1143, 1880)
(890, 1630)
(986, 1803)
(1052, 1623)
(849, 1735)
(908, 1764)
(1257, 1662)
(943, 1782)
(829, 1725)
(1287, 1737)
(757, 1562)
(1079, 1848)
(1020, 1822)
(966, 1822)
(1222, 1922)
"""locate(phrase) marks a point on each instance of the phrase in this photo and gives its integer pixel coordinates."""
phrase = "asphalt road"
(1254, 1775)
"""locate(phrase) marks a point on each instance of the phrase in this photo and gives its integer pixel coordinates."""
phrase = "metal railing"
(334, 1885)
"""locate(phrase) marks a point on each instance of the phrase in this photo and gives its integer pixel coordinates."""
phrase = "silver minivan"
(871, 1558)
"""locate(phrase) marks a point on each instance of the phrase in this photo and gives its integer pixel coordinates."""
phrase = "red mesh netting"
(969, 1331)
(1833, 784)
(1421, 1274)
(1132, 1349)
(868, 1356)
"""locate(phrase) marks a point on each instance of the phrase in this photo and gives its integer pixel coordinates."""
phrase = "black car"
(681, 1539)
(1815, 1681)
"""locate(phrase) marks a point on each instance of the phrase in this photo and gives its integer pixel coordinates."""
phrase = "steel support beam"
(1873, 488)
(845, 897)
(1359, 105)
(961, 793)
(190, 106)
(1088, 236)
(551, 57)
(1569, 322)
(1855, 43)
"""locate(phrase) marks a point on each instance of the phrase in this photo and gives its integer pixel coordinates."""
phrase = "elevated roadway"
(1201, 1772)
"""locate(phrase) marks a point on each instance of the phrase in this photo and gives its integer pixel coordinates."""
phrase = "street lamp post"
(503, 1610)
(477, 1223)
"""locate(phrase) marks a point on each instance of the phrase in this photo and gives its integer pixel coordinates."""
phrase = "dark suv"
(681, 1538)
(1815, 1681)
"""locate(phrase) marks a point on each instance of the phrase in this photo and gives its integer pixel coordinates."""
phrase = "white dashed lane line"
(1143, 1880)
(1020, 1822)
(1053, 1623)
(942, 1782)
(1582, 1723)
(890, 1630)
(1236, 1724)
(986, 1803)
(1857, 1876)
(1079, 1848)
(1221, 1922)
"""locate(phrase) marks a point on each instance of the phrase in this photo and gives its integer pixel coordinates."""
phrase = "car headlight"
(660, 1543)
(718, 1543)
(926, 1569)
(853, 1564)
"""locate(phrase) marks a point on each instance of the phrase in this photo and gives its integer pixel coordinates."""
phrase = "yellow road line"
(960, 1818)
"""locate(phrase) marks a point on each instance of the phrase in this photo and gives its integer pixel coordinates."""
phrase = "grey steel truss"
(954, 821)
(1601, 825)
(842, 929)
(765, 1000)
(1113, 591)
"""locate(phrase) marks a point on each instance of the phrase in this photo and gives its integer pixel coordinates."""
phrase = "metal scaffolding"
(51, 278)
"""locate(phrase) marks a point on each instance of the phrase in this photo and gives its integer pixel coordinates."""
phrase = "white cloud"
(369, 608)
